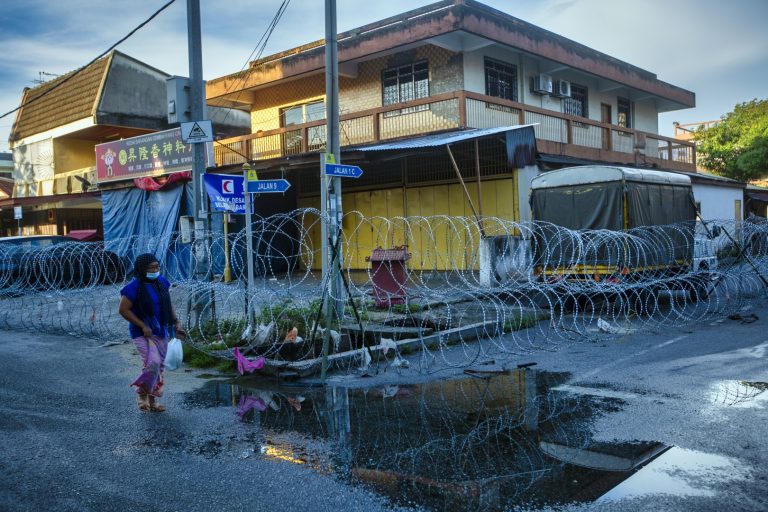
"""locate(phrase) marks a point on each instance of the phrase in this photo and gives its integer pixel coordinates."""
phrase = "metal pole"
(248, 245)
(333, 146)
(478, 218)
(227, 265)
(197, 108)
(197, 99)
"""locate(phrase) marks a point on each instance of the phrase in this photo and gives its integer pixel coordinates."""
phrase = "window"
(500, 80)
(624, 113)
(406, 83)
(576, 105)
(300, 114)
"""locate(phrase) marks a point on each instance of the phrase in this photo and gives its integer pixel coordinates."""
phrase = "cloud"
(702, 45)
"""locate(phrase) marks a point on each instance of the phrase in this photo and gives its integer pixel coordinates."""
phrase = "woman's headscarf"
(143, 300)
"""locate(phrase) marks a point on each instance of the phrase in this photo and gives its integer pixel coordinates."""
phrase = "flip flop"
(155, 407)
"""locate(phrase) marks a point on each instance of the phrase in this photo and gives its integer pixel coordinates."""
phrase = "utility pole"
(197, 104)
(331, 187)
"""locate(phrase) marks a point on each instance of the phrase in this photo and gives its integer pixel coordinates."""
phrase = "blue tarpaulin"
(138, 221)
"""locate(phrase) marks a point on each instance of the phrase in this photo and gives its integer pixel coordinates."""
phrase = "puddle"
(472, 443)
(679, 472)
(739, 394)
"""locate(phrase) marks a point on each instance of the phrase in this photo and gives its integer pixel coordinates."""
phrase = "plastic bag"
(174, 355)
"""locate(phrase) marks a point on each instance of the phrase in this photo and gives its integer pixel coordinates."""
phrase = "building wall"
(362, 92)
(32, 162)
(136, 92)
(268, 102)
(718, 203)
(645, 116)
(436, 244)
(6, 168)
(73, 154)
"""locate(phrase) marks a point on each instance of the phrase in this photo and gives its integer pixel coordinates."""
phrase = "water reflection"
(739, 393)
(472, 443)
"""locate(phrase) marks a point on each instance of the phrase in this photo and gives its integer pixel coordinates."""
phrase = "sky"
(717, 49)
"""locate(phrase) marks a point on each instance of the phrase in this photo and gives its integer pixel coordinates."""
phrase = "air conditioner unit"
(562, 88)
(541, 84)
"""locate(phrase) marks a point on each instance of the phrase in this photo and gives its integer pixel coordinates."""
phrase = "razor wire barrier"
(424, 293)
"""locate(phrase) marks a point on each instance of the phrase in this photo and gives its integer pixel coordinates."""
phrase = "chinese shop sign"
(153, 154)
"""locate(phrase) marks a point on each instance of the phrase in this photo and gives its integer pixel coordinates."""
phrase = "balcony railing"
(556, 133)
(71, 182)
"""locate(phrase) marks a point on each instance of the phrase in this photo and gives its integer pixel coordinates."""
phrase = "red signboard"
(153, 154)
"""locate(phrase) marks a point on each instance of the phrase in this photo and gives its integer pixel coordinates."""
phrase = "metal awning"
(441, 139)
(757, 195)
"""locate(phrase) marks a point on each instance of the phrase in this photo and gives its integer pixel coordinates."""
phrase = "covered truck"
(620, 221)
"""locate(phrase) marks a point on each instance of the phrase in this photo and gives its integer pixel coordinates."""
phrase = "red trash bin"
(389, 275)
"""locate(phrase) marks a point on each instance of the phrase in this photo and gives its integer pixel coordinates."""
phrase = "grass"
(406, 308)
(202, 359)
(288, 315)
(522, 321)
(227, 333)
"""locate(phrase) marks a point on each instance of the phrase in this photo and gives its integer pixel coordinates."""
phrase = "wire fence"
(417, 293)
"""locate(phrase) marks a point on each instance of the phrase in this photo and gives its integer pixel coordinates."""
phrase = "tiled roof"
(6, 187)
(70, 102)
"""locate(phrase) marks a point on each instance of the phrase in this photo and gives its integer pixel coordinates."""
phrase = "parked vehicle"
(51, 262)
(637, 222)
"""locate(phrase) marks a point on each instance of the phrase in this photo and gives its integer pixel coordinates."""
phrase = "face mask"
(153, 275)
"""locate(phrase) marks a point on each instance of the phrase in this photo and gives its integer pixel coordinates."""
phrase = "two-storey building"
(57, 128)
(452, 66)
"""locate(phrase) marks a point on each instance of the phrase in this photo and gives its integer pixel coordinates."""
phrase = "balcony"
(72, 182)
(556, 133)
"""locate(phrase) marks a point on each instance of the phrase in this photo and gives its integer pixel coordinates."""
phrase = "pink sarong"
(152, 352)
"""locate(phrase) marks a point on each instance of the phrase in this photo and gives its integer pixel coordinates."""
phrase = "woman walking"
(146, 304)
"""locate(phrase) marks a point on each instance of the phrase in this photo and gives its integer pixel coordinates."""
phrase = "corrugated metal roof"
(72, 101)
(442, 139)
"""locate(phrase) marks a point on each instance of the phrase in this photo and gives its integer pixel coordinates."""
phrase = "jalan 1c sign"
(153, 154)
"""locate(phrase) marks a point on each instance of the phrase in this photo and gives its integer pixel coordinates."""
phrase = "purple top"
(131, 291)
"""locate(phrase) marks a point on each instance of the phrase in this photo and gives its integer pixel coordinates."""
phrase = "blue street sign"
(268, 186)
(343, 171)
(226, 193)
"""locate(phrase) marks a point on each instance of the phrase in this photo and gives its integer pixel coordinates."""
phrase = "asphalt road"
(72, 438)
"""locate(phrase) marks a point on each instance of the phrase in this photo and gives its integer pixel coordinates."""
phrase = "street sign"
(17, 212)
(226, 193)
(268, 186)
(251, 173)
(343, 171)
(196, 131)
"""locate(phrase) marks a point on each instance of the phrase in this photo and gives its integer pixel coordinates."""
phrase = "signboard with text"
(226, 193)
(343, 171)
(153, 154)
(268, 186)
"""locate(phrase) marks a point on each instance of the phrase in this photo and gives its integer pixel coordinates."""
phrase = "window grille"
(500, 80)
(405, 83)
(577, 104)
